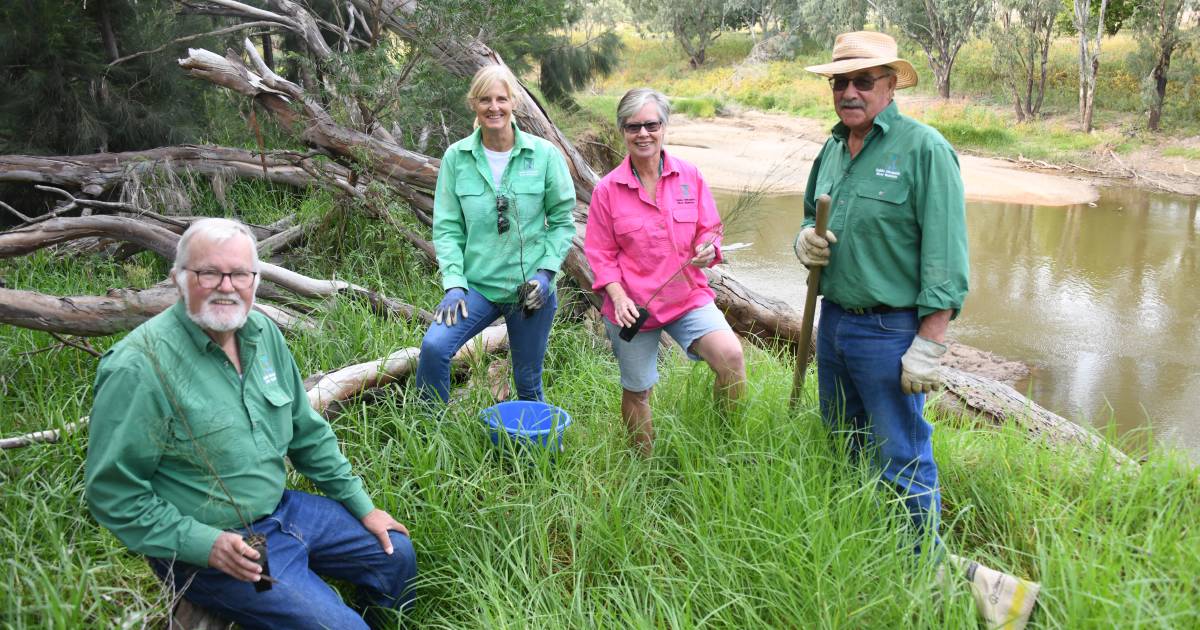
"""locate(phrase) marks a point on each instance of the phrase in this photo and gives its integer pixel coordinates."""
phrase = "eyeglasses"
(635, 128)
(501, 220)
(864, 83)
(208, 279)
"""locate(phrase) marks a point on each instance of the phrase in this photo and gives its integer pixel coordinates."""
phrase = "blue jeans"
(858, 377)
(307, 536)
(527, 339)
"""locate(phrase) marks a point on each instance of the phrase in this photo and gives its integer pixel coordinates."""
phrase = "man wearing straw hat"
(895, 274)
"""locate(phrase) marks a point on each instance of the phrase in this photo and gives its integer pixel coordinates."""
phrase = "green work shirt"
(170, 409)
(471, 252)
(899, 216)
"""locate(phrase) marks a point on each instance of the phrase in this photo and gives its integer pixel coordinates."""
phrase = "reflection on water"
(1103, 302)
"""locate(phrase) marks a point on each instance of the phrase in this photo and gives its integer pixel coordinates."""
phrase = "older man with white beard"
(194, 414)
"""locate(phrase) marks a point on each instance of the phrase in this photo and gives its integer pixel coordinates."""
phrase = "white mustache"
(232, 297)
(852, 103)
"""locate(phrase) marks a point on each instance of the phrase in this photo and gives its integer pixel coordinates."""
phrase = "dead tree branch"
(36, 437)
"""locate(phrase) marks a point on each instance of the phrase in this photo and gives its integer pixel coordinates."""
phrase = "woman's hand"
(705, 253)
(626, 310)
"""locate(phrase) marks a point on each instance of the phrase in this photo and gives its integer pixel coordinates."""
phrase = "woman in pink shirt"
(652, 228)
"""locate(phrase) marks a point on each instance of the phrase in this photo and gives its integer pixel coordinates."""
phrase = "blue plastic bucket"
(527, 422)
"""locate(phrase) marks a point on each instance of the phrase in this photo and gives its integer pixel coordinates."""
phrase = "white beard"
(209, 319)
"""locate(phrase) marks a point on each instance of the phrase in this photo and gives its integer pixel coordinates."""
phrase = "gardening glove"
(1003, 600)
(919, 366)
(447, 312)
(812, 250)
(539, 289)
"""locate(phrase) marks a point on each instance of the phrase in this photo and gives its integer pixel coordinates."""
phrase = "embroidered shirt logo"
(892, 170)
(267, 369)
(685, 195)
(527, 167)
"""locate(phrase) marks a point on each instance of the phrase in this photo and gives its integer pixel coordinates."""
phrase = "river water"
(1103, 301)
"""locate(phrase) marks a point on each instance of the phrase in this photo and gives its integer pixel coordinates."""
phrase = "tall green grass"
(753, 519)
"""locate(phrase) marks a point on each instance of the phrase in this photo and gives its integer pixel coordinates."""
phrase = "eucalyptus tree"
(1022, 32)
(820, 21)
(1159, 26)
(939, 27)
(695, 24)
(1089, 56)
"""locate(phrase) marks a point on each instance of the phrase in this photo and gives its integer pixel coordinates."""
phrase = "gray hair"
(215, 231)
(635, 99)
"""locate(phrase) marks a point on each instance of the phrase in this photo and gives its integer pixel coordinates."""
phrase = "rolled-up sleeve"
(941, 216)
(600, 243)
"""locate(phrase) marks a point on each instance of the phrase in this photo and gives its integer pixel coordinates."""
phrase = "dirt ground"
(753, 148)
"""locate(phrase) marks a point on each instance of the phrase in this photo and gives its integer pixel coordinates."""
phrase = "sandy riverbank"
(749, 148)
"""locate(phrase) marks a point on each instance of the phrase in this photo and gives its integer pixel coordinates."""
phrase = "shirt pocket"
(477, 203)
(883, 208)
(206, 442)
(529, 193)
(277, 420)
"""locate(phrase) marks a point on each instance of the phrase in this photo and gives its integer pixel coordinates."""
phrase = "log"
(21, 241)
(118, 311)
(996, 403)
(42, 437)
(756, 316)
(351, 380)
(99, 173)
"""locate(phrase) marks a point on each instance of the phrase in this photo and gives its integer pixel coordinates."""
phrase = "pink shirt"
(643, 245)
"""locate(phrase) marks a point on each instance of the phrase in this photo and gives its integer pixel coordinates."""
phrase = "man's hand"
(232, 556)
(447, 311)
(705, 253)
(379, 523)
(539, 292)
(919, 366)
(812, 250)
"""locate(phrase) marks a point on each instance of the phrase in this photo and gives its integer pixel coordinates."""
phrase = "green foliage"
(1022, 35)
(61, 96)
(939, 28)
(753, 518)
(695, 24)
(820, 21)
(1116, 13)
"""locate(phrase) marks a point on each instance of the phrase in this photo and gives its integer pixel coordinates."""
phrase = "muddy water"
(1102, 302)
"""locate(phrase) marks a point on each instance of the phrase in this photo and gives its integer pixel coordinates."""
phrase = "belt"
(878, 309)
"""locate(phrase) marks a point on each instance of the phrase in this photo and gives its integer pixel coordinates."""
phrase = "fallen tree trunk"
(761, 318)
(99, 173)
(118, 311)
(996, 402)
(352, 380)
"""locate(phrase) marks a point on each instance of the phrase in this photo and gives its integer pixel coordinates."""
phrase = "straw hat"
(867, 49)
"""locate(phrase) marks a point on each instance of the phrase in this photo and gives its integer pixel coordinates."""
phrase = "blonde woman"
(502, 226)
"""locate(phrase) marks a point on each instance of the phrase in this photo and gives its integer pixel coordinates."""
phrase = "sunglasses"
(501, 220)
(864, 83)
(635, 128)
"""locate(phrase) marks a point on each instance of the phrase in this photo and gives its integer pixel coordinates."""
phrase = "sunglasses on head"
(634, 128)
(501, 220)
(864, 83)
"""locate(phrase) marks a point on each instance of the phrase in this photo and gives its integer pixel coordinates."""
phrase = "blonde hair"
(488, 76)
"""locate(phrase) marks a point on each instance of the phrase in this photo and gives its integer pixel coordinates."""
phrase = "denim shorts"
(638, 359)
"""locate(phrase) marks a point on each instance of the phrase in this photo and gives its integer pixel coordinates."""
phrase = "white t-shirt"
(498, 161)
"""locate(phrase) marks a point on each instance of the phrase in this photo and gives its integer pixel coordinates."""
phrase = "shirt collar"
(521, 140)
(883, 121)
(623, 174)
(249, 331)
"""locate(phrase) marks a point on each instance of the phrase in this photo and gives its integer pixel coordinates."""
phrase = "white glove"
(812, 250)
(919, 366)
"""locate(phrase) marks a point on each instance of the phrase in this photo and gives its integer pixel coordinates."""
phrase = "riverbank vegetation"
(978, 118)
(748, 519)
(752, 519)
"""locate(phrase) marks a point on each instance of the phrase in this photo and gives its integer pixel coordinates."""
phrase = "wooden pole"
(804, 347)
